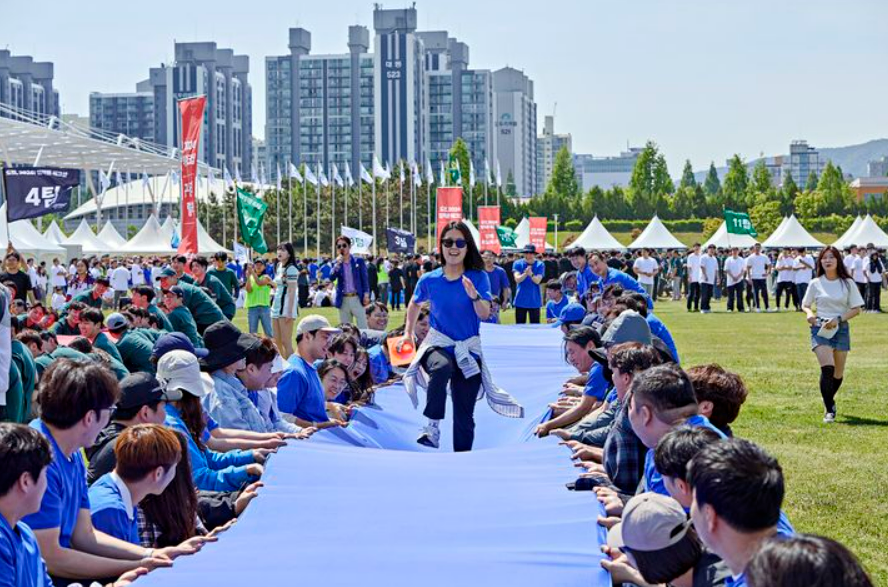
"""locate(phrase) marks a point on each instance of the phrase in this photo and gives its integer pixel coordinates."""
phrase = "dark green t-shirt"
(228, 278)
(203, 309)
(183, 322)
(220, 295)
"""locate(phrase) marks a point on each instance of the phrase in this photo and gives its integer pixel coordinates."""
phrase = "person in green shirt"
(69, 325)
(143, 297)
(178, 264)
(218, 291)
(92, 321)
(258, 303)
(46, 349)
(382, 281)
(93, 296)
(27, 370)
(180, 317)
(203, 309)
(134, 347)
(224, 274)
(15, 396)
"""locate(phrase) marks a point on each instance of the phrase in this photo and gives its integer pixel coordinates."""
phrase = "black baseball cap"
(142, 389)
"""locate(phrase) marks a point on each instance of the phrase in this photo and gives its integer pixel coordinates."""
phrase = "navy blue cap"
(573, 312)
(176, 341)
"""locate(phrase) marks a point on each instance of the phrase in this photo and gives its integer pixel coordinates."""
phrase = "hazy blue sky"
(703, 78)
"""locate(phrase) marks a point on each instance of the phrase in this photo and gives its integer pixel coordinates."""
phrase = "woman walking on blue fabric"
(459, 296)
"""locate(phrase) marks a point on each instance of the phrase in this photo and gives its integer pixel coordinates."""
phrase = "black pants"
(303, 296)
(408, 293)
(801, 290)
(442, 369)
(760, 286)
(789, 288)
(706, 290)
(862, 287)
(735, 292)
(396, 299)
(694, 295)
(874, 296)
(521, 315)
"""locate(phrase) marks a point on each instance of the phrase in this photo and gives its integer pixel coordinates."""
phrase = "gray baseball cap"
(630, 326)
(651, 522)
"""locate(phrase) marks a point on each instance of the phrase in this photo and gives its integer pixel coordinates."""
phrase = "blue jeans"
(258, 314)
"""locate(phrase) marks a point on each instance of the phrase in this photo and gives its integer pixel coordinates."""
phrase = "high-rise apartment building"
(548, 146)
(130, 114)
(26, 84)
(802, 161)
(515, 128)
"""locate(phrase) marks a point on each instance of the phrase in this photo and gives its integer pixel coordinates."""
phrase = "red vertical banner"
(538, 233)
(449, 207)
(488, 220)
(192, 111)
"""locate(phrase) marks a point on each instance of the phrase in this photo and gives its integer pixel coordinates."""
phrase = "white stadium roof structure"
(29, 138)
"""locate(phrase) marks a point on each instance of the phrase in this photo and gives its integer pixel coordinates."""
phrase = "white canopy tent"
(54, 233)
(149, 240)
(843, 241)
(27, 240)
(656, 236)
(793, 234)
(168, 229)
(779, 230)
(206, 245)
(111, 237)
(724, 240)
(867, 232)
(596, 237)
(88, 242)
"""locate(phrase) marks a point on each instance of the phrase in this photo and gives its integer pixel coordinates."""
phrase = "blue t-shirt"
(653, 480)
(611, 396)
(326, 271)
(66, 492)
(300, 392)
(499, 280)
(553, 308)
(527, 294)
(313, 271)
(596, 385)
(380, 368)
(585, 276)
(784, 529)
(20, 562)
(452, 312)
(109, 511)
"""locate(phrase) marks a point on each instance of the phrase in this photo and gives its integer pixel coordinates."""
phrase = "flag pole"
(318, 215)
(333, 214)
(401, 198)
(360, 203)
(290, 204)
(428, 215)
(277, 197)
(304, 216)
(375, 242)
(236, 217)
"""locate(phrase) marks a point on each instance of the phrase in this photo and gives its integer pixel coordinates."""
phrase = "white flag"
(348, 175)
(430, 175)
(294, 173)
(117, 179)
(388, 170)
(401, 172)
(277, 182)
(226, 177)
(237, 175)
(175, 177)
(378, 170)
(254, 177)
(471, 173)
(321, 177)
(499, 176)
(365, 176)
(212, 177)
(337, 179)
(486, 171)
(262, 179)
(417, 176)
(144, 180)
(361, 241)
(442, 176)
(310, 176)
(104, 181)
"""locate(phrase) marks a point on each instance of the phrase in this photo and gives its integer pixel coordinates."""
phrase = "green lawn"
(837, 475)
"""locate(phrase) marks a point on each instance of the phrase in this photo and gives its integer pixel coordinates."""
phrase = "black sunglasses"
(341, 246)
(449, 243)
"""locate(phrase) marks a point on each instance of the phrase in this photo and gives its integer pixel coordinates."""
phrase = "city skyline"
(725, 79)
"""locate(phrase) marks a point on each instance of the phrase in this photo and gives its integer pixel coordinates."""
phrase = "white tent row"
(791, 234)
(656, 236)
(111, 237)
(54, 233)
(26, 239)
(154, 239)
(89, 243)
(596, 237)
(863, 232)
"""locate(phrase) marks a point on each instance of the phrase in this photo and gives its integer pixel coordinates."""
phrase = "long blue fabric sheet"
(368, 506)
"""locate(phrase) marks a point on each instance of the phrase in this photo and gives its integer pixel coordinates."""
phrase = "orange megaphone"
(404, 356)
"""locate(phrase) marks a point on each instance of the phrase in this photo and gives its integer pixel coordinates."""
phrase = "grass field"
(836, 475)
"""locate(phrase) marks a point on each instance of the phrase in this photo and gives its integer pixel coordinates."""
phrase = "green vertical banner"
(454, 171)
(739, 223)
(506, 236)
(250, 213)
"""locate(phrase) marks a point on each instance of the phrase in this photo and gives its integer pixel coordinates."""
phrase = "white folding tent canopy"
(656, 236)
(596, 237)
(149, 240)
(723, 239)
(111, 237)
(778, 231)
(792, 235)
(205, 243)
(88, 242)
(168, 229)
(867, 232)
(26, 239)
(54, 233)
(843, 241)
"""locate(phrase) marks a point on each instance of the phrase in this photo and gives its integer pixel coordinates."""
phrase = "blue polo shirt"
(300, 392)
(553, 308)
(452, 312)
(527, 293)
(66, 492)
(112, 513)
(313, 271)
(499, 280)
(20, 562)
(653, 480)
(596, 385)
(380, 368)
(584, 278)
(626, 282)
(326, 271)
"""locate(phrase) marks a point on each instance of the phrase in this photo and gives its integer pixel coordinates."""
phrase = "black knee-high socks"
(829, 386)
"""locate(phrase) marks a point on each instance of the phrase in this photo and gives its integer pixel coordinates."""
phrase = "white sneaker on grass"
(430, 436)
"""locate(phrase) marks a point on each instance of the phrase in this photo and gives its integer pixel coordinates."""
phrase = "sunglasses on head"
(459, 243)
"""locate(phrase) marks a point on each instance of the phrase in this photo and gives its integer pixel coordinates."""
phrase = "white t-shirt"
(57, 276)
(32, 273)
(155, 276)
(711, 265)
(120, 278)
(648, 265)
(804, 274)
(737, 267)
(849, 262)
(137, 274)
(784, 268)
(858, 274)
(874, 276)
(94, 271)
(832, 298)
(757, 265)
(58, 301)
(693, 265)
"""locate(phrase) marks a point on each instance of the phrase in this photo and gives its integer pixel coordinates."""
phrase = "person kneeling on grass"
(147, 455)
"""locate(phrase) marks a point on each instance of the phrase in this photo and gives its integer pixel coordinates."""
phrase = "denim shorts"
(840, 342)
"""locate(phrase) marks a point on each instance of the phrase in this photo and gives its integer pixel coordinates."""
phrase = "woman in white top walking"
(835, 299)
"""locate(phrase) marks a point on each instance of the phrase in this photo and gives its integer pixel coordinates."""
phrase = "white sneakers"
(430, 436)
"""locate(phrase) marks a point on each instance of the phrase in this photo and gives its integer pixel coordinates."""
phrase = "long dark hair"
(840, 265)
(805, 559)
(473, 258)
(193, 416)
(362, 386)
(174, 511)
(291, 253)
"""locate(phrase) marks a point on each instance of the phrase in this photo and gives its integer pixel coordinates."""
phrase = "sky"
(704, 79)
